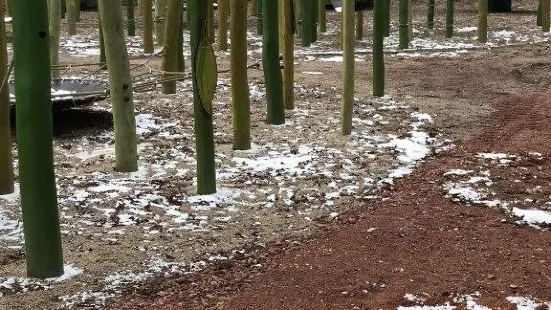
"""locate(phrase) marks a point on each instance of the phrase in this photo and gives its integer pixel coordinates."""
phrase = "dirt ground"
(413, 237)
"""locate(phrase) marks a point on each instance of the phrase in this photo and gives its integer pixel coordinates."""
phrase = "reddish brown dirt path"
(412, 241)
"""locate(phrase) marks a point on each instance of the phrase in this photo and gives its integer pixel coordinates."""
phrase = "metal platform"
(73, 92)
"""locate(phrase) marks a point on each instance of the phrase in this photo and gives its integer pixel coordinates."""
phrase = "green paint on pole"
(307, 35)
(403, 32)
(449, 18)
(347, 104)
(147, 33)
(54, 7)
(102, 59)
(287, 50)
(322, 16)
(259, 23)
(160, 17)
(545, 15)
(172, 41)
(34, 138)
(430, 14)
(72, 16)
(130, 18)
(270, 58)
(378, 53)
(120, 86)
(387, 5)
(482, 21)
(240, 87)
(359, 25)
(204, 137)
(6, 163)
(223, 11)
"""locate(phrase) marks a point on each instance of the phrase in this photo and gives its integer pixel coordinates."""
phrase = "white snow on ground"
(470, 302)
(10, 227)
(26, 284)
(476, 188)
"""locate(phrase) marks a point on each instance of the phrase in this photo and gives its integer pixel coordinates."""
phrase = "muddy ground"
(303, 180)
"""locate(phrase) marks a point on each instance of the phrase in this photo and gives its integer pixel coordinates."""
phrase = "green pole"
(449, 18)
(6, 164)
(288, 48)
(430, 14)
(240, 93)
(378, 53)
(538, 15)
(72, 16)
(259, 23)
(102, 59)
(359, 25)
(322, 16)
(120, 85)
(545, 15)
(387, 18)
(270, 57)
(210, 19)
(181, 59)
(223, 10)
(307, 34)
(54, 7)
(403, 32)
(347, 104)
(410, 20)
(172, 32)
(147, 16)
(313, 20)
(34, 138)
(482, 21)
(160, 11)
(8, 7)
(130, 19)
(203, 63)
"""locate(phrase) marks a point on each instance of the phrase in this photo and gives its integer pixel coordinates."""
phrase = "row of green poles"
(31, 46)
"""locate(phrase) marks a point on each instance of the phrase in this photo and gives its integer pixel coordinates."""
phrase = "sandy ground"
(299, 180)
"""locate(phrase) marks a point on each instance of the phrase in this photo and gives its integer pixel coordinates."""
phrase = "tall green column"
(223, 11)
(359, 25)
(347, 104)
(259, 23)
(545, 15)
(270, 58)
(160, 11)
(403, 31)
(102, 59)
(147, 16)
(34, 138)
(204, 75)
(240, 87)
(210, 19)
(72, 16)
(54, 9)
(378, 51)
(120, 85)
(6, 164)
(307, 34)
(172, 41)
(430, 14)
(482, 21)
(130, 18)
(322, 16)
(449, 18)
(288, 51)
(387, 6)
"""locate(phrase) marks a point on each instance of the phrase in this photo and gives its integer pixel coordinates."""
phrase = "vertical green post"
(322, 16)
(181, 59)
(449, 18)
(102, 59)
(387, 17)
(538, 14)
(240, 87)
(288, 48)
(223, 11)
(6, 164)
(259, 23)
(378, 52)
(54, 9)
(8, 7)
(147, 34)
(545, 15)
(410, 20)
(270, 58)
(172, 32)
(359, 25)
(72, 16)
(307, 35)
(120, 85)
(252, 8)
(34, 138)
(403, 32)
(203, 64)
(160, 11)
(210, 19)
(130, 18)
(482, 21)
(347, 104)
(430, 14)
